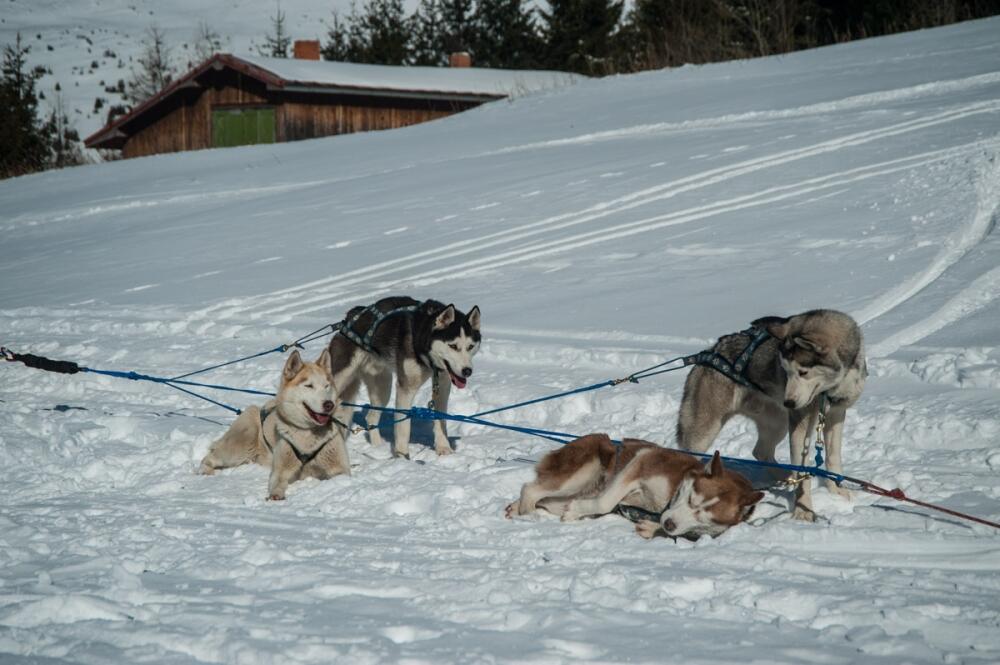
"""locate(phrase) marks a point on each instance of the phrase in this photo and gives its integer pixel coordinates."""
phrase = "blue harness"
(736, 370)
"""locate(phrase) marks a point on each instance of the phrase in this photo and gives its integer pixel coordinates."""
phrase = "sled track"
(277, 302)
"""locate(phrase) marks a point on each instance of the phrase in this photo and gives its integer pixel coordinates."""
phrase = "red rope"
(899, 495)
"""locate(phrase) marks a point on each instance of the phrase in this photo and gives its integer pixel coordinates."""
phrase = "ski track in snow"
(595, 212)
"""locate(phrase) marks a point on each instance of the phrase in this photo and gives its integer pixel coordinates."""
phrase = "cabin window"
(242, 126)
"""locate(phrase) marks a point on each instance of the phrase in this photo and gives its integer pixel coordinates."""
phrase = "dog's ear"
(473, 318)
(808, 344)
(715, 466)
(325, 362)
(748, 503)
(445, 318)
(292, 366)
(778, 326)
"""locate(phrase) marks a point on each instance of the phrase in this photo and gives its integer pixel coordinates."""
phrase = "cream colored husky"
(295, 433)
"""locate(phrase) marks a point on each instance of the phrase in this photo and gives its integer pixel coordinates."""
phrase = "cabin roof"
(322, 77)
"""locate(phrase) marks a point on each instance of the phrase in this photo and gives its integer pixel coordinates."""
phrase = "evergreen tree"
(24, 141)
(276, 43)
(387, 30)
(64, 140)
(380, 34)
(155, 71)
(345, 42)
(505, 35)
(427, 26)
(579, 34)
(457, 29)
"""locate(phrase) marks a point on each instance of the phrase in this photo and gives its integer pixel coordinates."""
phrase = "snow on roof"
(449, 80)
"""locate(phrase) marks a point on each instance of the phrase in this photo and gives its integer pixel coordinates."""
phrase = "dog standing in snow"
(415, 342)
(592, 476)
(295, 433)
(811, 361)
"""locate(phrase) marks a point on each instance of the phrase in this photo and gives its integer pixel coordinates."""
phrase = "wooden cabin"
(233, 100)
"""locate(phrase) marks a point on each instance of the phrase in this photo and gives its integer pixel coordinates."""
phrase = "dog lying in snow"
(592, 476)
(295, 433)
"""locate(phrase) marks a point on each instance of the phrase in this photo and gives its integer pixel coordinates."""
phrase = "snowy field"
(601, 228)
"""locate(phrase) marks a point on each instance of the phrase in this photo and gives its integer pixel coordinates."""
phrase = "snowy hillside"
(89, 46)
(601, 228)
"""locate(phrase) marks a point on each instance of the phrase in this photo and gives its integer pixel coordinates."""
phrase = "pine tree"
(345, 43)
(24, 142)
(64, 140)
(276, 43)
(457, 29)
(155, 71)
(380, 34)
(427, 26)
(386, 31)
(579, 34)
(506, 35)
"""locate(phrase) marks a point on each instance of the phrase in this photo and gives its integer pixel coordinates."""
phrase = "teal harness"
(736, 370)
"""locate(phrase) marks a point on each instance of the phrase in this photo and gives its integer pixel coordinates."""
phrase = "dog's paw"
(276, 496)
(647, 528)
(443, 450)
(571, 513)
(512, 509)
(836, 490)
(206, 470)
(803, 514)
(400, 455)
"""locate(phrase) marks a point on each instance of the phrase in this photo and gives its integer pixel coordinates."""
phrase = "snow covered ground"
(601, 228)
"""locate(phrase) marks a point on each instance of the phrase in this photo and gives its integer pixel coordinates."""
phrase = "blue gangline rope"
(562, 438)
(422, 413)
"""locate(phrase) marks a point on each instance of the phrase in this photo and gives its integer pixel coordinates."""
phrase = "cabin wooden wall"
(185, 121)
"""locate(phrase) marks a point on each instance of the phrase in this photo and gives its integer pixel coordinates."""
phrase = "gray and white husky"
(811, 359)
(432, 340)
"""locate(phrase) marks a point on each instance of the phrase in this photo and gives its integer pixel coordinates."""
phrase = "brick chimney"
(306, 49)
(460, 59)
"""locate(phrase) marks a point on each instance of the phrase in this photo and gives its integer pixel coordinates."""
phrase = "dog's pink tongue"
(458, 381)
(320, 418)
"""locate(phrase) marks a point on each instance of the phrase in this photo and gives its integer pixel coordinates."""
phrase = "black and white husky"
(413, 340)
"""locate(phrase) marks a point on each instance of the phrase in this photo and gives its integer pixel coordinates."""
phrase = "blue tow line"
(562, 438)
(421, 413)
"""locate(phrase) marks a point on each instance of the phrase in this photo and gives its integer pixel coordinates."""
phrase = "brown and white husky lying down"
(592, 476)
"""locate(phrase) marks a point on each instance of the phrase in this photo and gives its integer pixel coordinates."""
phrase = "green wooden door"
(242, 126)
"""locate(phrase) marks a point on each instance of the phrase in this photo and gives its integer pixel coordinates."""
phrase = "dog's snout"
(466, 372)
(328, 406)
(669, 525)
(789, 403)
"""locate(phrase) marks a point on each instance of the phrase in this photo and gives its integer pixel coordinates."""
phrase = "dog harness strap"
(378, 316)
(264, 413)
(305, 458)
(636, 514)
(736, 370)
